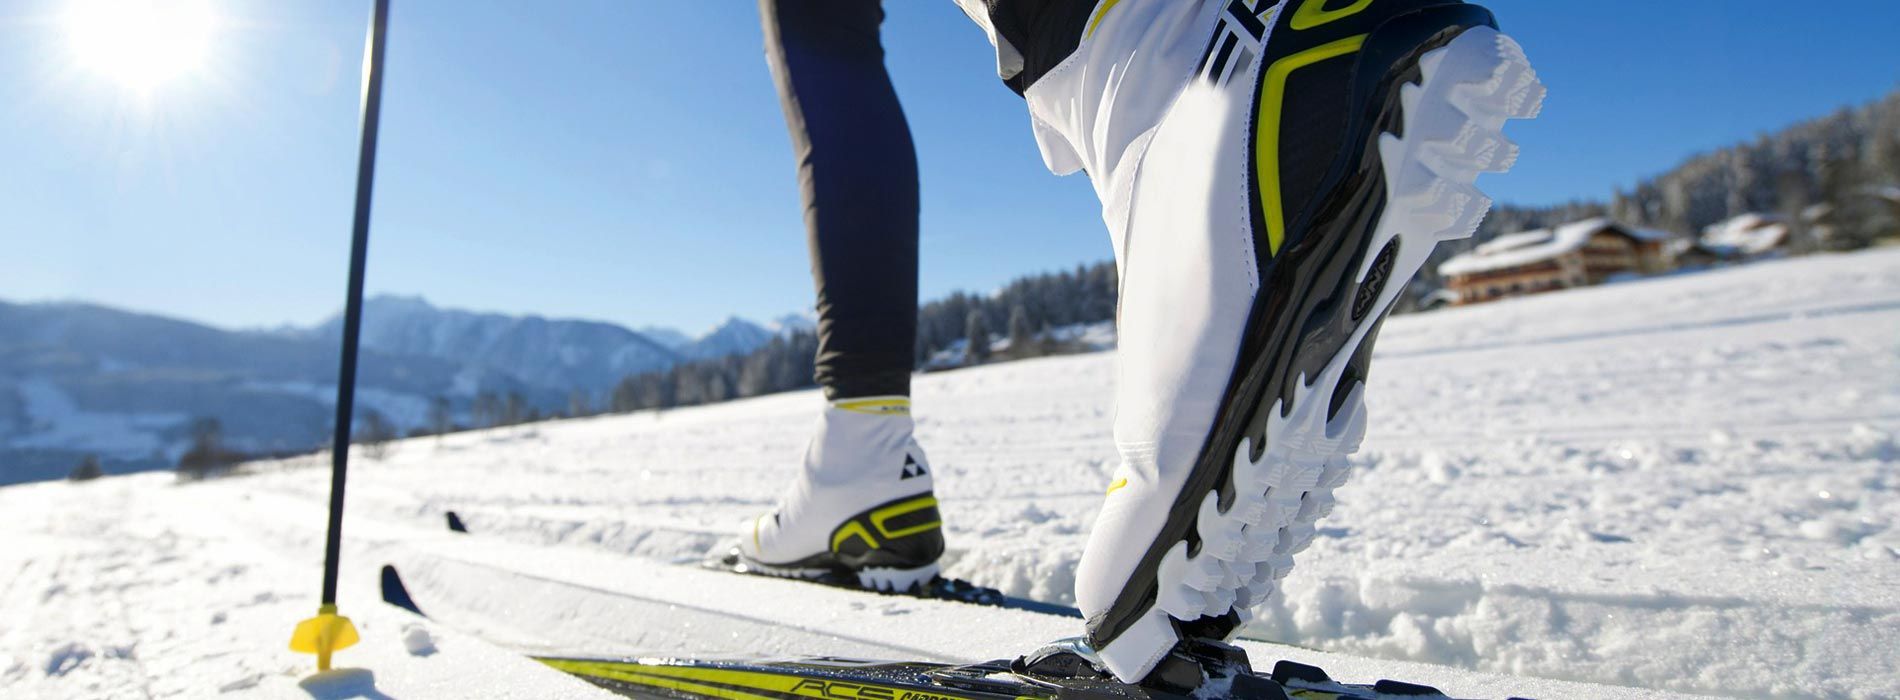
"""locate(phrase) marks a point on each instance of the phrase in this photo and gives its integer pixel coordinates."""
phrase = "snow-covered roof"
(1748, 234)
(1515, 249)
(1513, 241)
(1526, 247)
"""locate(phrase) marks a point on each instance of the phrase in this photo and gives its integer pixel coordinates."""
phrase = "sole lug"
(891, 580)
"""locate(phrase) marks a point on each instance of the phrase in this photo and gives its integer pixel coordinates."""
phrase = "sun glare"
(141, 44)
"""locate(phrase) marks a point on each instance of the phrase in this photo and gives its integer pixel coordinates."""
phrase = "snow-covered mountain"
(78, 379)
(734, 336)
(800, 322)
(671, 338)
(557, 355)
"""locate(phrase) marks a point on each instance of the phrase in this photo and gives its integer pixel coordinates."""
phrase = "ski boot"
(1272, 175)
(861, 512)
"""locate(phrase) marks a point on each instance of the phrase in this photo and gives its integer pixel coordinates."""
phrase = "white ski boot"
(861, 509)
(1272, 174)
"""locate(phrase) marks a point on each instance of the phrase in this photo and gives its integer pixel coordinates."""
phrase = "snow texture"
(1686, 484)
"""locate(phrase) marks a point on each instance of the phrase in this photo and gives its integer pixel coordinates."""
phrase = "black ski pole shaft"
(353, 305)
(329, 632)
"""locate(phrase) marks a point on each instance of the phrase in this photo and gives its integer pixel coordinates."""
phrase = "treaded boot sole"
(1281, 477)
(1452, 133)
(920, 582)
(881, 579)
(891, 580)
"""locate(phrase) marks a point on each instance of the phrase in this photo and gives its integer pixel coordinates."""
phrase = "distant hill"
(794, 323)
(671, 338)
(734, 336)
(78, 379)
(558, 355)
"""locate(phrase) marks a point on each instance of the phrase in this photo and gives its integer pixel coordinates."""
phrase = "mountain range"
(79, 379)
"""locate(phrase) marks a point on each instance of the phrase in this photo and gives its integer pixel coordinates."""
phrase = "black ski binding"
(1194, 668)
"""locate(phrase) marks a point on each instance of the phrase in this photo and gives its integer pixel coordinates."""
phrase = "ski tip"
(394, 593)
(455, 523)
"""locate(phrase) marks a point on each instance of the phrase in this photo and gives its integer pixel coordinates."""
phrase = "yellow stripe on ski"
(637, 674)
(762, 685)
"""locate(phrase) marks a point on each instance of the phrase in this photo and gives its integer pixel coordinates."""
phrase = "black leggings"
(857, 174)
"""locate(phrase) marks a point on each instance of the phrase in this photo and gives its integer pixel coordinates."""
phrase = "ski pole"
(328, 631)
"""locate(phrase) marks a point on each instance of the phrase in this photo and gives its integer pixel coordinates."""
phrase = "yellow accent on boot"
(876, 405)
(756, 547)
(882, 515)
(850, 530)
(323, 635)
(1117, 486)
(1267, 129)
(1313, 13)
(1100, 12)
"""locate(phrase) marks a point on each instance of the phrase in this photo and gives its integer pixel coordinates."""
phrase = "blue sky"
(626, 160)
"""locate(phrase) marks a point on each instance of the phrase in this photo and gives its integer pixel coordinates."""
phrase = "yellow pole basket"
(324, 634)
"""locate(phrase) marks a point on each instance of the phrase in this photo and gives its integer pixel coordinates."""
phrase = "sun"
(141, 44)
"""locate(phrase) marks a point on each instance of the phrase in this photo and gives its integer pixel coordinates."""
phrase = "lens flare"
(141, 44)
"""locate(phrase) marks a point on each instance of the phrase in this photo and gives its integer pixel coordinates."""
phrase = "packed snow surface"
(1685, 484)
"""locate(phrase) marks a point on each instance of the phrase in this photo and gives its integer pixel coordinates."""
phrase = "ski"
(679, 679)
(1210, 670)
(939, 588)
(686, 679)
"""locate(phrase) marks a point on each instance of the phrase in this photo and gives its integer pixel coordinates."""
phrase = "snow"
(139, 587)
(416, 639)
(1685, 484)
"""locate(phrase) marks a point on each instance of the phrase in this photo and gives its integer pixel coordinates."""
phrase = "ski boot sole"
(876, 578)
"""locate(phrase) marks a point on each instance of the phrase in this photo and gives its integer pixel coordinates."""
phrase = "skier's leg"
(862, 506)
(1272, 174)
(857, 174)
